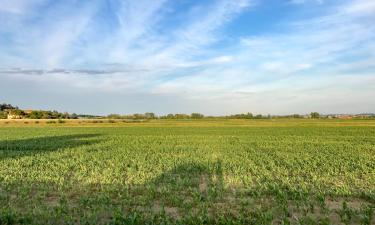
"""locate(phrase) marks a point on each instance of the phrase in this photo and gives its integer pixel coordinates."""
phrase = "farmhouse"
(17, 113)
(14, 114)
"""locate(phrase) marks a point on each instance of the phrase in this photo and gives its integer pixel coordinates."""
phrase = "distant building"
(17, 113)
(345, 117)
(14, 114)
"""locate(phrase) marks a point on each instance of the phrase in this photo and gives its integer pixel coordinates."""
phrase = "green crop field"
(188, 172)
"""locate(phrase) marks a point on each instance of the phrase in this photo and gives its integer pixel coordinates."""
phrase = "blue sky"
(210, 56)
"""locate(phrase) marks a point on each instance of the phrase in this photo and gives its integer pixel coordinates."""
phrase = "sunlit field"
(187, 171)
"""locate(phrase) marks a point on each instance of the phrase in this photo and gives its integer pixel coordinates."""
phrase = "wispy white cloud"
(43, 39)
(298, 2)
(327, 47)
(360, 7)
(19, 6)
(190, 39)
(58, 41)
(136, 20)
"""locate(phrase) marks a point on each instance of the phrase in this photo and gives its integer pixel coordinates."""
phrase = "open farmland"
(188, 172)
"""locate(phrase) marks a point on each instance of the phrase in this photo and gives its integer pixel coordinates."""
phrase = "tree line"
(150, 115)
(5, 109)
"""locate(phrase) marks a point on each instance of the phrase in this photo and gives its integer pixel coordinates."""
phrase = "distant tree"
(5, 106)
(88, 116)
(150, 115)
(241, 116)
(181, 116)
(66, 115)
(196, 116)
(73, 116)
(139, 116)
(170, 116)
(35, 115)
(47, 115)
(249, 116)
(259, 116)
(296, 116)
(315, 115)
(55, 115)
(114, 116)
(17, 112)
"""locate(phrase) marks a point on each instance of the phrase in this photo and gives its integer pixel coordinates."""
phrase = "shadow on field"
(37, 145)
(187, 189)
(188, 184)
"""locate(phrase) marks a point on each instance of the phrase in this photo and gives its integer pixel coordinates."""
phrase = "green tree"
(35, 115)
(73, 116)
(5, 106)
(114, 116)
(170, 116)
(196, 116)
(315, 115)
(47, 115)
(150, 115)
(55, 114)
(17, 112)
(248, 116)
(296, 116)
(241, 116)
(181, 116)
(139, 116)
